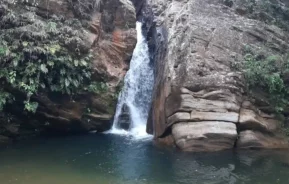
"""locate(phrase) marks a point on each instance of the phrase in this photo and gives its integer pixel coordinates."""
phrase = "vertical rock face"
(200, 102)
(112, 37)
(110, 34)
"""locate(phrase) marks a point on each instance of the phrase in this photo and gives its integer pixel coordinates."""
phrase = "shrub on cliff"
(271, 75)
(42, 55)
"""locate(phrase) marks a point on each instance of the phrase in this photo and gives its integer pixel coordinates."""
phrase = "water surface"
(112, 159)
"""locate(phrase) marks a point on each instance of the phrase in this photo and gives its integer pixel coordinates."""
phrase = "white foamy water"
(137, 91)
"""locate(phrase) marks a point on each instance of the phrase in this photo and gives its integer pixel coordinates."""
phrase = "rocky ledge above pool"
(213, 121)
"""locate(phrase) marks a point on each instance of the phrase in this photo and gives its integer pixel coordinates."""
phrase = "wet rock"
(204, 136)
(97, 122)
(12, 129)
(254, 139)
(4, 140)
(124, 118)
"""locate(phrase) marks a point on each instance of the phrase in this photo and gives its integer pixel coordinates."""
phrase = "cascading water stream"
(137, 91)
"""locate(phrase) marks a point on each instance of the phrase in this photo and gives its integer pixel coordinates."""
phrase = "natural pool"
(112, 159)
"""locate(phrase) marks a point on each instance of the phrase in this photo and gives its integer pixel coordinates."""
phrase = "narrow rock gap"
(238, 125)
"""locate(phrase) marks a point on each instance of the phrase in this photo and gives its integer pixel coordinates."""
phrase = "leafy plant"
(51, 27)
(270, 75)
(31, 106)
(43, 55)
(4, 98)
(97, 87)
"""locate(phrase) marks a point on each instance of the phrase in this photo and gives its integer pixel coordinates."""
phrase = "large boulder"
(204, 136)
(197, 45)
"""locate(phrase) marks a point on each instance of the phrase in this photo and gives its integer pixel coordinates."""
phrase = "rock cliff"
(200, 100)
(108, 30)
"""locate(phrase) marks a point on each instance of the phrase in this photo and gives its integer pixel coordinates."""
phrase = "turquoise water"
(111, 159)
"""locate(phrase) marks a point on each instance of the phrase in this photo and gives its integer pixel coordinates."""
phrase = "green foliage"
(97, 87)
(4, 98)
(51, 27)
(30, 106)
(39, 55)
(271, 75)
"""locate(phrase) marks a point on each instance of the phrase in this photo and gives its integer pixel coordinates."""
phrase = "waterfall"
(135, 98)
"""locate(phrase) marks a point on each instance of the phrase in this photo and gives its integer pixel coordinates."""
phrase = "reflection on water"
(110, 159)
